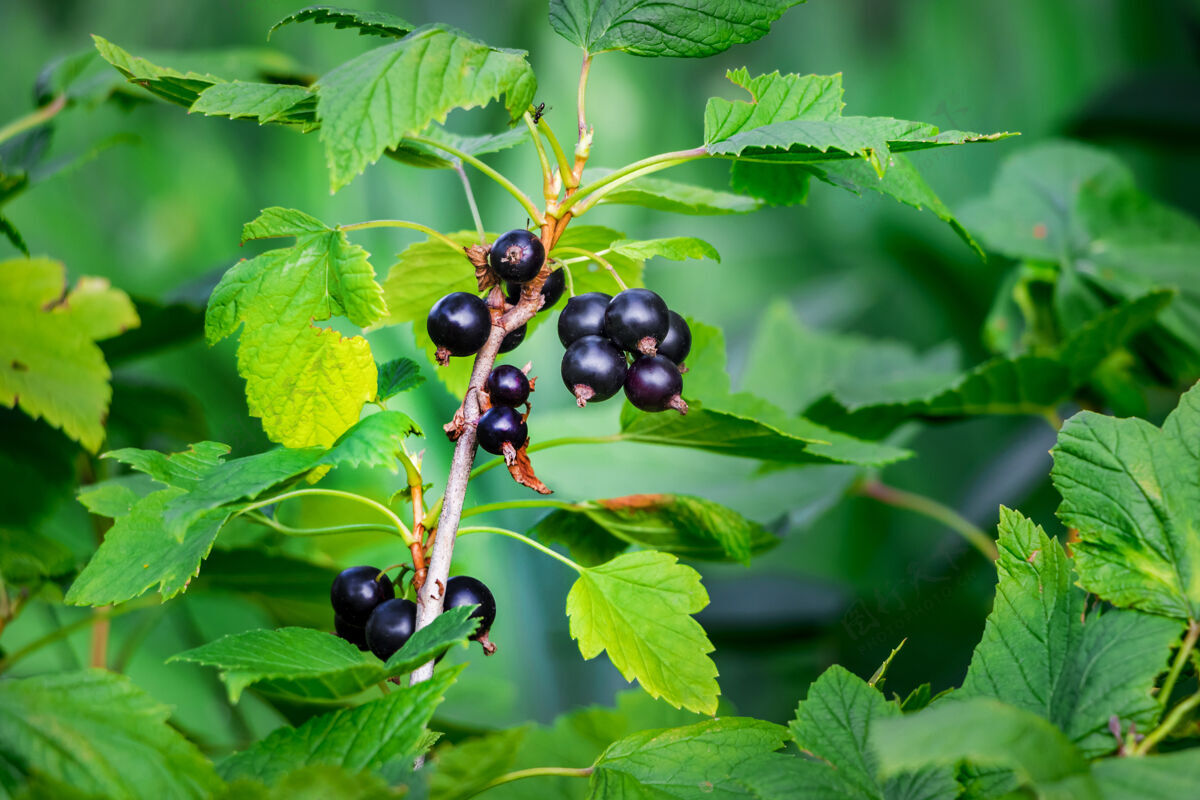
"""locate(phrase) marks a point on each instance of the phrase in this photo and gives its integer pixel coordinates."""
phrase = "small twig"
(599, 260)
(873, 488)
(564, 166)
(535, 772)
(1181, 658)
(33, 118)
(466, 182)
(1167, 725)
(402, 223)
(520, 537)
(548, 189)
(397, 524)
(508, 185)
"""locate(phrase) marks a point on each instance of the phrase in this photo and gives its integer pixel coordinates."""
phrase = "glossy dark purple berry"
(508, 386)
(392, 623)
(500, 425)
(653, 383)
(512, 339)
(459, 323)
(678, 342)
(517, 256)
(356, 592)
(463, 590)
(637, 320)
(593, 368)
(552, 289)
(354, 634)
(583, 316)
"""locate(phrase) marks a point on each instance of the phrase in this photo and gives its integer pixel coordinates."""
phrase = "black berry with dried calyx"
(459, 324)
(593, 369)
(517, 256)
(653, 383)
(507, 386)
(501, 425)
(637, 320)
(583, 316)
(463, 590)
(356, 591)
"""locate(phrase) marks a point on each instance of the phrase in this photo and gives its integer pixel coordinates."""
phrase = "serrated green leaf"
(358, 739)
(50, 365)
(101, 735)
(266, 102)
(315, 665)
(986, 733)
(367, 23)
(463, 770)
(675, 248)
(587, 276)
(666, 27)
(638, 607)
(1039, 654)
(588, 542)
(308, 384)
(1133, 493)
(690, 527)
(775, 98)
(164, 82)
(372, 102)
(184, 469)
(1164, 777)
(291, 590)
(678, 198)
(375, 441)
(396, 376)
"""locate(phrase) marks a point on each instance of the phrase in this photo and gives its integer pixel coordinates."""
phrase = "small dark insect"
(539, 112)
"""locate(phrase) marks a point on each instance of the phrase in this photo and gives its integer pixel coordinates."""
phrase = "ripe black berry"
(637, 320)
(501, 424)
(593, 368)
(356, 592)
(552, 289)
(653, 384)
(508, 386)
(512, 339)
(463, 590)
(583, 316)
(678, 342)
(459, 323)
(390, 626)
(517, 256)
(354, 634)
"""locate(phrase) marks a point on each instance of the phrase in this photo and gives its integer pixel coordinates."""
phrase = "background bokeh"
(161, 218)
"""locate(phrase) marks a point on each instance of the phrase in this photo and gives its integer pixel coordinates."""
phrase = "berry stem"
(1181, 658)
(466, 182)
(520, 537)
(1168, 724)
(598, 259)
(33, 118)
(564, 165)
(401, 223)
(263, 519)
(630, 172)
(548, 190)
(535, 772)
(397, 523)
(931, 508)
(508, 185)
(475, 511)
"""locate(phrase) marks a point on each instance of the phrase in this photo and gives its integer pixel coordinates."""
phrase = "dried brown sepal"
(455, 427)
(532, 384)
(683, 368)
(443, 356)
(521, 469)
(678, 404)
(485, 399)
(582, 394)
(477, 254)
(495, 300)
(648, 346)
(489, 648)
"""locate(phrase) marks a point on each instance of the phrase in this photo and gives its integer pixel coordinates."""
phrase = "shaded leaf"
(396, 376)
(679, 198)
(465, 769)
(265, 102)
(1164, 777)
(421, 155)
(367, 23)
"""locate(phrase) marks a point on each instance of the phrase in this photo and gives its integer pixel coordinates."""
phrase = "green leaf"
(638, 607)
(666, 27)
(1133, 493)
(13, 235)
(183, 470)
(313, 783)
(676, 248)
(266, 102)
(679, 198)
(985, 733)
(164, 82)
(50, 365)
(1164, 777)
(420, 155)
(371, 103)
(367, 23)
(690, 527)
(315, 665)
(38, 466)
(1039, 654)
(464, 770)
(374, 441)
(361, 738)
(291, 590)
(27, 557)
(100, 734)
(586, 275)
(308, 384)
(396, 376)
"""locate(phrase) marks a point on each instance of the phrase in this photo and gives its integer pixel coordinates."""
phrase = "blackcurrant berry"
(593, 368)
(392, 623)
(459, 323)
(583, 316)
(354, 634)
(356, 592)
(552, 289)
(508, 386)
(678, 342)
(463, 590)
(653, 384)
(512, 339)
(498, 425)
(517, 256)
(637, 320)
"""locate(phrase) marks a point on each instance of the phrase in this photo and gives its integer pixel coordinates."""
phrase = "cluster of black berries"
(460, 322)
(367, 613)
(502, 424)
(598, 331)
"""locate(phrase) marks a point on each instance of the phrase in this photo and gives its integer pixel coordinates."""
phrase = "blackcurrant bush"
(552, 289)
(459, 323)
(637, 320)
(583, 316)
(654, 383)
(512, 339)
(356, 592)
(508, 386)
(517, 256)
(463, 590)
(678, 342)
(498, 425)
(392, 623)
(593, 368)
(354, 634)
